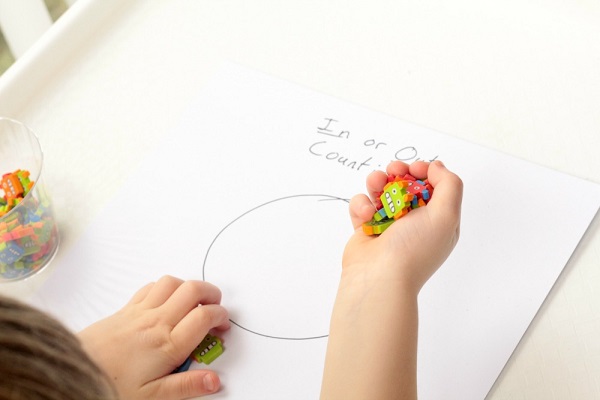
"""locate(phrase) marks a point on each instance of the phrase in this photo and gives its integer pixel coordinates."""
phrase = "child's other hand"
(140, 345)
(414, 246)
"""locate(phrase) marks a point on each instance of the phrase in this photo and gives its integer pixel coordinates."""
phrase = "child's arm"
(139, 346)
(372, 349)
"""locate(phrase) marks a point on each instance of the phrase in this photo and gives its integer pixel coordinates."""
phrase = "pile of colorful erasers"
(399, 196)
(206, 352)
(27, 233)
(16, 186)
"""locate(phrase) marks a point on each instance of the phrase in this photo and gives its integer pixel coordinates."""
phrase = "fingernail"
(441, 164)
(209, 383)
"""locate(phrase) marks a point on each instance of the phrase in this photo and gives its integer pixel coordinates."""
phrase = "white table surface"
(112, 77)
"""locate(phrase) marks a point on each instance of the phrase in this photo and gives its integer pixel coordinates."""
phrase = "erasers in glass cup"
(28, 233)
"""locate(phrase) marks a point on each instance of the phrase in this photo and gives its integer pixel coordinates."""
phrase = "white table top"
(111, 77)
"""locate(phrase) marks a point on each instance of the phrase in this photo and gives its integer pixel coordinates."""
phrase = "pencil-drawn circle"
(278, 265)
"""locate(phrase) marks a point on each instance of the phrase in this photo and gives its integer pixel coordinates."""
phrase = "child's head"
(41, 359)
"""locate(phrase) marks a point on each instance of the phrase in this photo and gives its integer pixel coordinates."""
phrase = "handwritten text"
(340, 146)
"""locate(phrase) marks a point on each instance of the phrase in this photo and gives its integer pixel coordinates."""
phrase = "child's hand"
(140, 345)
(414, 246)
(372, 348)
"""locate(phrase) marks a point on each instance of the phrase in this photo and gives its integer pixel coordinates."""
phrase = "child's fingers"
(184, 385)
(397, 168)
(448, 190)
(141, 294)
(187, 297)
(375, 183)
(419, 169)
(161, 291)
(192, 328)
(361, 210)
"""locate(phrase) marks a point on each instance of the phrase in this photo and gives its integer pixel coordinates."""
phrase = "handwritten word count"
(351, 150)
(320, 149)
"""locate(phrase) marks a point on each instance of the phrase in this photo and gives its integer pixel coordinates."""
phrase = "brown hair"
(41, 359)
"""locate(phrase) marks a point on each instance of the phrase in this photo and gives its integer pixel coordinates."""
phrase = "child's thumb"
(447, 189)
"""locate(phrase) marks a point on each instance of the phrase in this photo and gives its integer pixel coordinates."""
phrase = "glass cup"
(28, 233)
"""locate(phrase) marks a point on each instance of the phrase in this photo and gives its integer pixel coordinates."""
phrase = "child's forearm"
(372, 347)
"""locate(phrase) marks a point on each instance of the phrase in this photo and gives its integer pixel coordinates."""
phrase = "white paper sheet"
(249, 192)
